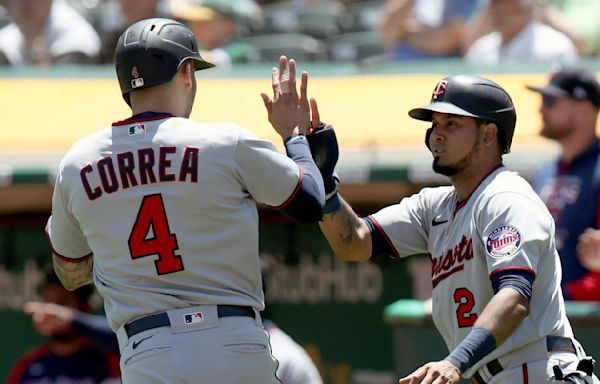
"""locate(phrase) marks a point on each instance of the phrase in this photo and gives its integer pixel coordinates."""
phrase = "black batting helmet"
(475, 96)
(150, 52)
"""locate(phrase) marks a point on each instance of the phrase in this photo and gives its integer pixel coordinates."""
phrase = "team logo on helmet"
(137, 81)
(440, 89)
(503, 241)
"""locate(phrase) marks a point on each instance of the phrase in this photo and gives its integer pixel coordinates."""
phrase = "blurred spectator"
(66, 357)
(116, 15)
(419, 29)
(578, 20)
(517, 35)
(295, 365)
(570, 186)
(47, 32)
(218, 25)
(64, 315)
(588, 250)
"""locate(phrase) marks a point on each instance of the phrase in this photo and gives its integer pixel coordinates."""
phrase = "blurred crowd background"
(235, 31)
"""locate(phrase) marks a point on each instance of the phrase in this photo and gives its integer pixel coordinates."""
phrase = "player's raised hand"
(288, 112)
(588, 249)
(48, 318)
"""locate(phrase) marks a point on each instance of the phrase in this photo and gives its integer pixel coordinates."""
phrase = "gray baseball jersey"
(502, 225)
(167, 207)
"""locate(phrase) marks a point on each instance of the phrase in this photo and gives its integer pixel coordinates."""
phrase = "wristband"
(332, 204)
(330, 182)
(478, 344)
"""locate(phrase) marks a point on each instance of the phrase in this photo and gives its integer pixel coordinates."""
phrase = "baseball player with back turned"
(495, 270)
(161, 212)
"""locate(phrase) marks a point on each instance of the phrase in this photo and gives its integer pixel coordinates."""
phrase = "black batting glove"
(325, 152)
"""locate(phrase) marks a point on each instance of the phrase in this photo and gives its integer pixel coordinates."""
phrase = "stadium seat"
(362, 16)
(268, 48)
(354, 46)
(4, 16)
(320, 19)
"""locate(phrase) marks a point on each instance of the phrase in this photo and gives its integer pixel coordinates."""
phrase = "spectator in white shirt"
(46, 32)
(518, 36)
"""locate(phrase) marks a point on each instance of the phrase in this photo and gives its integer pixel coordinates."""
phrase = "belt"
(553, 344)
(162, 319)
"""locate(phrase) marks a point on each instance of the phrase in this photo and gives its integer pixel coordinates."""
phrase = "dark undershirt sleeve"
(306, 204)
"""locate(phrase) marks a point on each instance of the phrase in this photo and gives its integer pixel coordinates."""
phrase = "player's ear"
(187, 72)
(490, 132)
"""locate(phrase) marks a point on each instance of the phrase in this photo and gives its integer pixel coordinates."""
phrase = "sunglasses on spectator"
(548, 101)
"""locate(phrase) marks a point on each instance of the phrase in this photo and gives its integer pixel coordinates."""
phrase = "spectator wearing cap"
(116, 15)
(570, 185)
(516, 36)
(46, 32)
(218, 26)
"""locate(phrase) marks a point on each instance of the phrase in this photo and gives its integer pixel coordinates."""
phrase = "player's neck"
(137, 109)
(467, 181)
(163, 99)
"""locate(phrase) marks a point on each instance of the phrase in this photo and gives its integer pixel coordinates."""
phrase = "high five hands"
(288, 112)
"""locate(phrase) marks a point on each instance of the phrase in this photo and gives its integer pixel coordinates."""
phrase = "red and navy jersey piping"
(296, 190)
(142, 117)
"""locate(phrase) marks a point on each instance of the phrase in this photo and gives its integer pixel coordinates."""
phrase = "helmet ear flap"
(427, 136)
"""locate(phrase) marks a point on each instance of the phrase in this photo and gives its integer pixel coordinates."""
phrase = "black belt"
(553, 344)
(162, 319)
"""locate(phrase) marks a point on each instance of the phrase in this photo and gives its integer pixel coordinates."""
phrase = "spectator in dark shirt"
(67, 356)
(570, 185)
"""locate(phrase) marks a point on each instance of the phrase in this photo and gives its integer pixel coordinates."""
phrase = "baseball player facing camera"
(160, 211)
(495, 270)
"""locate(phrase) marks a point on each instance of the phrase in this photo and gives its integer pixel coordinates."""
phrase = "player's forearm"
(73, 275)
(503, 314)
(347, 234)
(498, 321)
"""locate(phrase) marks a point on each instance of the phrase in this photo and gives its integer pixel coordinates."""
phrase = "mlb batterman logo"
(193, 318)
(137, 80)
(503, 241)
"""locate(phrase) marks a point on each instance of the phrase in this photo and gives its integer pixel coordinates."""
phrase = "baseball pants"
(215, 350)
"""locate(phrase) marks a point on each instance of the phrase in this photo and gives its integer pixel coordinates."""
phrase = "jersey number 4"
(465, 300)
(160, 241)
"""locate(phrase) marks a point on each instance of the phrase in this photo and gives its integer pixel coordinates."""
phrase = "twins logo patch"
(193, 318)
(137, 129)
(440, 89)
(503, 241)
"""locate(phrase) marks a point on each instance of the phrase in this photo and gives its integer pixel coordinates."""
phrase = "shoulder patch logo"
(503, 241)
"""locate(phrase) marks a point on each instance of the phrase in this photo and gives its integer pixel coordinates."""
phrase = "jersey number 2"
(465, 300)
(152, 216)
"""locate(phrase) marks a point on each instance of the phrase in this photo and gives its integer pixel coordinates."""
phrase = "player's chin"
(443, 169)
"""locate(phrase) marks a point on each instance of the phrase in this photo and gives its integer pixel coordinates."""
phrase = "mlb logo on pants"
(193, 318)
